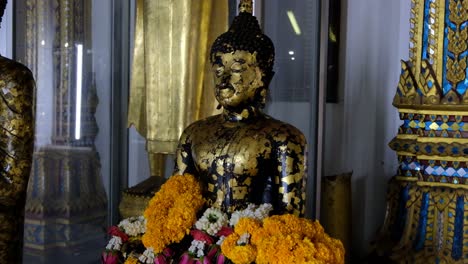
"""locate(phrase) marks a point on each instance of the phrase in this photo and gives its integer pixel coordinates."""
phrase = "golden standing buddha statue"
(16, 148)
(243, 155)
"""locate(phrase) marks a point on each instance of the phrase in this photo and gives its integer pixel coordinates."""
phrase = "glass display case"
(71, 48)
(84, 154)
(294, 28)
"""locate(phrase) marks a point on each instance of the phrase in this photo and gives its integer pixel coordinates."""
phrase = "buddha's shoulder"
(281, 131)
(17, 86)
(203, 124)
(14, 70)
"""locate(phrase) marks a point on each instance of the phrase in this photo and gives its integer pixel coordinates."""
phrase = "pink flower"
(160, 259)
(221, 259)
(203, 260)
(167, 252)
(225, 231)
(115, 231)
(109, 258)
(186, 259)
(202, 236)
(212, 252)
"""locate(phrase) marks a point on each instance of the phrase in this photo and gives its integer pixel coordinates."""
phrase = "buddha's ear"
(263, 97)
(259, 77)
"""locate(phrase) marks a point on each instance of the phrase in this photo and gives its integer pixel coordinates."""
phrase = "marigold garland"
(247, 225)
(284, 239)
(131, 260)
(172, 212)
(239, 254)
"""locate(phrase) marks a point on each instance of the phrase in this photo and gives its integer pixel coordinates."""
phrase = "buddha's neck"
(242, 115)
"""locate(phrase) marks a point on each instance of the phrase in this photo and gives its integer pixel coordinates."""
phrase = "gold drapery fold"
(171, 86)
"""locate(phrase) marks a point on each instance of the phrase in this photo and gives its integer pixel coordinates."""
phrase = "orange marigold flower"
(247, 225)
(131, 260)
(172, 212)
(239, 254)
(290, 239)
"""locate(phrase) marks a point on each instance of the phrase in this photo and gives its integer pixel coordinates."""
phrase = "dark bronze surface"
(258, 160)
(243, 155)
(16, 148)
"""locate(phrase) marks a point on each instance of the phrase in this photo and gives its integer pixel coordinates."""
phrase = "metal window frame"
(120, 65)
(322, 85)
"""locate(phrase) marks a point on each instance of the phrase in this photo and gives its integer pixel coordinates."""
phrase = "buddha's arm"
(183, 159)
(17, 134)
(291, 173)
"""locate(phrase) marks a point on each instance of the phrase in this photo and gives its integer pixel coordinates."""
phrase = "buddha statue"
(242, 155)
(16, 145)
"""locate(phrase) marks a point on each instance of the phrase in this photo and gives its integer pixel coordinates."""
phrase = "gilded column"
(427, 212)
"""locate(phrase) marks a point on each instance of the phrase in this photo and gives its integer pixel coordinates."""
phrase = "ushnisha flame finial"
(246, 6)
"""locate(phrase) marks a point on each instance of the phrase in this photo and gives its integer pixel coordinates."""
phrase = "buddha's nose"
(225, 78)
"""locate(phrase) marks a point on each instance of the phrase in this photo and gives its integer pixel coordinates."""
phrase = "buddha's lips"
(224, 87)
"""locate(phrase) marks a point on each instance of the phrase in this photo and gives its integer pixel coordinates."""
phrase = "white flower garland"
(258, 212)
(148, 256)
(197, 248)
(244, 239)
(212, 221)
(220, 240)
(114, 243)
(133, 226)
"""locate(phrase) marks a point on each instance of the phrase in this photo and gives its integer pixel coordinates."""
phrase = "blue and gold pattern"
(427, 221)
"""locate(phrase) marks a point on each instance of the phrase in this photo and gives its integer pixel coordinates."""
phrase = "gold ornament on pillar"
(171, 84)
(426, 219)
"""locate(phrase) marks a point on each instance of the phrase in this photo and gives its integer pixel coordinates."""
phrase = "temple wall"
(359, 128)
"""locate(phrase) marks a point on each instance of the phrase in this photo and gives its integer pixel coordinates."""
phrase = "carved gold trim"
(405, 153)
(436, 157)
(418, 12)
(440, 39)
(442, 140)
(442, 184)
(406, 178)
(455, 110)
(407, 136)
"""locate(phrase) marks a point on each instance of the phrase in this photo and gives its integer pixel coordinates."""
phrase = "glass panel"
(293, 91)
(6, 32)
(67, 45)
(293, 26)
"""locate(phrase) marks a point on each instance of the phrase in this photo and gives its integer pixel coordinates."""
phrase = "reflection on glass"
(78, 87)
(69, 54)
(293, 27)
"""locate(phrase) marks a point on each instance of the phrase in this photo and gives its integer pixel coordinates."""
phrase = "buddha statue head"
(242, 62)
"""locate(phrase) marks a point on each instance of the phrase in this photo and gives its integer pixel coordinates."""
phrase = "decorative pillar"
(66, 205)
(427, 212)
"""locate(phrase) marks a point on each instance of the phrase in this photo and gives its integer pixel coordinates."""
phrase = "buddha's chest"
(231, 151)
(232, 165)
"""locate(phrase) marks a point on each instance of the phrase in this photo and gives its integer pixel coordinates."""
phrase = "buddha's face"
(237, 78)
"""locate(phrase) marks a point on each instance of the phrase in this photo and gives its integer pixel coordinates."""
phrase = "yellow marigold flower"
(131, 260)
(239, 254)
(172, 212)
(247, 225)
(290, 239)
